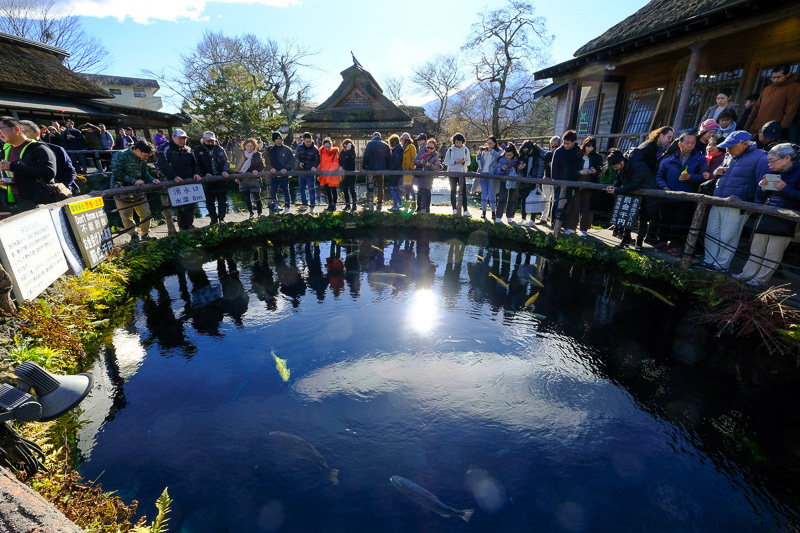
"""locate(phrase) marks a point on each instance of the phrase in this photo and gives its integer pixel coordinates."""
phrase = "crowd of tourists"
(752, 163)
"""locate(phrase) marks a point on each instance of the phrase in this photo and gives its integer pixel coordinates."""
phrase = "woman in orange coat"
(329, 161)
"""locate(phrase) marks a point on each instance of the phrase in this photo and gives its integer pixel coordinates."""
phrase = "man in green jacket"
(129, 168)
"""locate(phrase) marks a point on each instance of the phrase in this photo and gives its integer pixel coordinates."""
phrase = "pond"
(544, 396)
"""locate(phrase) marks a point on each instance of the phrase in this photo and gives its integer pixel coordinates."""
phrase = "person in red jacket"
(329, 162)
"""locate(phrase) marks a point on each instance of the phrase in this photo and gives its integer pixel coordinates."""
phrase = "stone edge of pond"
(133, 262)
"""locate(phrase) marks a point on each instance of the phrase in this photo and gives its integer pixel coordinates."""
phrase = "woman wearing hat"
(772, 234)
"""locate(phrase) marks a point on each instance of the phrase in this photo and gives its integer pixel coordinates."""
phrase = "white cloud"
(146, 11)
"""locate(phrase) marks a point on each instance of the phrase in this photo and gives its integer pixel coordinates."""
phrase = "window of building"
(587, 111)
(115, 91)
(640, 110)
(139, 93)
(764, 77)
(705, 91)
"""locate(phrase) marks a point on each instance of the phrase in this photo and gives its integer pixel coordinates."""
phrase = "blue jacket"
(789, 196)
(670, 170)
(740, 179)
(377, 155)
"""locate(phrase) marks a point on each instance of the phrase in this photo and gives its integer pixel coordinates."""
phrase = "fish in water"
(500, 281)
(536, 281)
(240, 389)
(417, 494)
(379, 249)
(532, 299)
(387, 275)
(479, 257)
(280, 364)
(304, 450)
(538, 316)
(382, 284)
(651, 291)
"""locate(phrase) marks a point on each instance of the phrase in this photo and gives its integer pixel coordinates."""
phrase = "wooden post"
(270, 199)
(557, 211)
(6, 303)
(370, 183)
(462, 183)
(694, 233)
(688, 83)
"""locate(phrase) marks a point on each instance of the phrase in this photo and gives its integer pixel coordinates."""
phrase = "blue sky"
(388, 39)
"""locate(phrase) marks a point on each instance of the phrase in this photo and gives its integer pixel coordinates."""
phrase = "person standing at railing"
(532, 166)
(427, 161)
(566, 167)
(508, 165)
(395, 163)
(347, 161)
(75, 141)
(65, 172)
(32, 163)
(177, 162)
(488, 156)
(213, 161)
(250, 187)
(580, 209)
(329, 162)
(772, 234)
(280, 161)
(409, 153)
(683, 171)
(128, 168)
(106, 143)
(549, 190)
(307, 155)
(778, 101)
(457, 159)
(377, 156)
(737, 176)
(723, 103)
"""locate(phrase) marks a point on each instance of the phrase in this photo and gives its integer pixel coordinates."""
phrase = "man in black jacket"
(65, 172)
(377, 156)
(32, 164)
(177, 162)
(565, 167)
(307, 155)
(75, 141)
(213, 161)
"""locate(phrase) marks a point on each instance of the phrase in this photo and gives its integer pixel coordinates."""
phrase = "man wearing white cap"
(177, 162)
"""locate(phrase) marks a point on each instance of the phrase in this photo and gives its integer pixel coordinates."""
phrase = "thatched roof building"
(358, 107)
(665, 64)
(37, 86)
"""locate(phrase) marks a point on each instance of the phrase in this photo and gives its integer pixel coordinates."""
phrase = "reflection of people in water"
(424, 270)
(203, 304)
(334, 267)
(292, 283)
(162, 325)
(234, 298)
(261, 278)
(352, 267)
(451, 279)
(316, 280)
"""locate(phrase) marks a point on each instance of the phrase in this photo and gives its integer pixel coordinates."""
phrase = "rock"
(23, 510)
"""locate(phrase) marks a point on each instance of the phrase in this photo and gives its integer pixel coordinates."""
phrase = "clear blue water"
(591, 409)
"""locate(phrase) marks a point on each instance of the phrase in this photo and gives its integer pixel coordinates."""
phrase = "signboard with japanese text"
(31, 253)
(626, 210)
(90, 227)
(71, 251)
(191, 193)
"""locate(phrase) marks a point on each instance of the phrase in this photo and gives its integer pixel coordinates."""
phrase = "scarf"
(248, 157)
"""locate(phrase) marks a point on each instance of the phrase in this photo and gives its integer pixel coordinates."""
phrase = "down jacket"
(740, 179)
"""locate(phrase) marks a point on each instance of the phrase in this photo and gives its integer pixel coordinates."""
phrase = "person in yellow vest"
(27, 165)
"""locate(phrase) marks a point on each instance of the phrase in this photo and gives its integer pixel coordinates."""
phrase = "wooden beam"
(688, 83)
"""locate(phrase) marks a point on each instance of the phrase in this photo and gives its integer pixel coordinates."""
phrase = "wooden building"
(631, 78)
(37, 86)
(358, 108)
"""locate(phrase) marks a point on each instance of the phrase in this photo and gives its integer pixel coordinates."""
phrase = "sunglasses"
(431, 148)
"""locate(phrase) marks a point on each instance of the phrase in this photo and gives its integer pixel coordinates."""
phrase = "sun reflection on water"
(424, 310)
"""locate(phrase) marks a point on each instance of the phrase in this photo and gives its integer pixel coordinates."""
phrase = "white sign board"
(71, 252)
(191, 193)
(31, 253)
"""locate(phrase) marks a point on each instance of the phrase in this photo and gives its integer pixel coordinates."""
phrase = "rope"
(20, 454)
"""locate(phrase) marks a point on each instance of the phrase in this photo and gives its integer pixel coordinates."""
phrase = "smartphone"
(771, 179)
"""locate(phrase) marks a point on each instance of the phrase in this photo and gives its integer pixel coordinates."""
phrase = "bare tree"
(395, 88)
(273, 67)
(505, 47)
(439, 76)
(49, 23)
